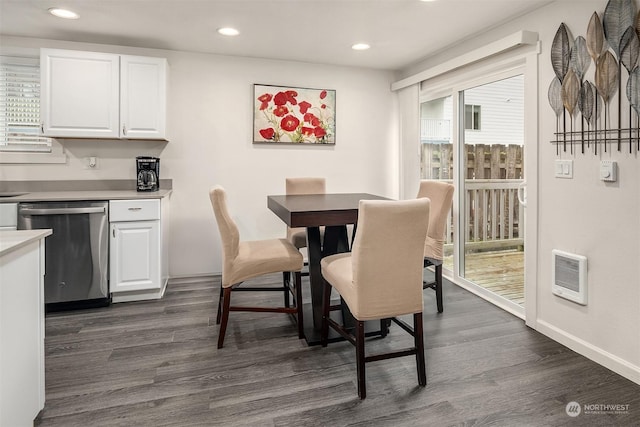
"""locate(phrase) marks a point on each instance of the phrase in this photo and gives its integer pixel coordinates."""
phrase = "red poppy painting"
(289, 115)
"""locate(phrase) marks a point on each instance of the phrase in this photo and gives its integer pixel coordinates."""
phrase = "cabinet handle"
(124, 129)
(134, 209)
(42, 128)
(114, 233)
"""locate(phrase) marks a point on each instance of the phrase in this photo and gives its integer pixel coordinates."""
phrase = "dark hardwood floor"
(156, 363)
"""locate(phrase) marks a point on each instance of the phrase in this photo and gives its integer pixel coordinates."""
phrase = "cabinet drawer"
(134, 210)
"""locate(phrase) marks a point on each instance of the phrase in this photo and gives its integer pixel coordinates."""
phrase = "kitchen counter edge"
(12, 240)
(82, 195)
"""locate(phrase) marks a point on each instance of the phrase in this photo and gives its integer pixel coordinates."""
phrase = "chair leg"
(326, 303)
(384, 327)
(439, 288)
(362, 387)
(218, 317)
(298, 290)
(286, 281)
(225, 316)
(418, 337)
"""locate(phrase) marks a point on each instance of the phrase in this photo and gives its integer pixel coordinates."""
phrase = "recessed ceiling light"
(228, 31)
(63, 13)
(360, 46)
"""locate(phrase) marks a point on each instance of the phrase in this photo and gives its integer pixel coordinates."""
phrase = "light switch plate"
(564, 169)
(608, 170)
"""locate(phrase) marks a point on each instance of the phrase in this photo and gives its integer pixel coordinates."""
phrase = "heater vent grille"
(569, 276)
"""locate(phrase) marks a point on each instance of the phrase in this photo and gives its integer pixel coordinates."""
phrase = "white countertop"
(11, 240)
(54, 196)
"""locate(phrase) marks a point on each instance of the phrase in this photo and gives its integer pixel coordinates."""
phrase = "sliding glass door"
(491, 171)
(475, 138)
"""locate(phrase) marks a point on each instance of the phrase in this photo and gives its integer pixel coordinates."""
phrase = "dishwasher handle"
(61, 211)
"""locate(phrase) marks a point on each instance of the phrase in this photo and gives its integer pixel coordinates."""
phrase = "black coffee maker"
(148, 173)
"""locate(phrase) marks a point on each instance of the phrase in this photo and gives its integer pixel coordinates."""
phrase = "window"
(472, 117)
(20, 107)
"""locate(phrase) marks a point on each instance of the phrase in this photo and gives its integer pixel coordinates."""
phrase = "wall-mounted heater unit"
(569, 276)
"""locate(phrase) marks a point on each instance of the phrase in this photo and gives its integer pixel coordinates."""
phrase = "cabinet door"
(79, 94)
(143, 94)
(134, 256)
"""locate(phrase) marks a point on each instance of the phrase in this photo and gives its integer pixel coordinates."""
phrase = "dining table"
(333, 211)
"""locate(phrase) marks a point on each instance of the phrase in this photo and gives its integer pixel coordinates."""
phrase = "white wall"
(581, 215)
(210, 117)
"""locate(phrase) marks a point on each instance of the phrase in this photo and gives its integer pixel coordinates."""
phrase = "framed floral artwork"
(292, 115)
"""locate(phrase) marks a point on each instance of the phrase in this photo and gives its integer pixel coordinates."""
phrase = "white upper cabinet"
(79, 94)
(100, 95)
(143, 97)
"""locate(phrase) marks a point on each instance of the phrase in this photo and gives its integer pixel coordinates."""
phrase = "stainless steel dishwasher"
(76, 254)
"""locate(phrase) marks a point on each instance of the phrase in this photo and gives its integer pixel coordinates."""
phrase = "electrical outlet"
(90, 162)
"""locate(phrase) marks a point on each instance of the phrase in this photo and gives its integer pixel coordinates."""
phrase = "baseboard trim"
(598, 355)
(194, 278)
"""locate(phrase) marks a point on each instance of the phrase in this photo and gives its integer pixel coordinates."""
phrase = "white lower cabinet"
(136, 261)
(22, 387)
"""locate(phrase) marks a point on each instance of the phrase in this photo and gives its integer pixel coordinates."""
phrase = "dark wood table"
(334, 212)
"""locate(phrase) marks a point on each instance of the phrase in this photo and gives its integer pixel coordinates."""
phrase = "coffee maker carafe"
(148, 173)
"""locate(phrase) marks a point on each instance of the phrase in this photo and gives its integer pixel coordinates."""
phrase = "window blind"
(20, 106)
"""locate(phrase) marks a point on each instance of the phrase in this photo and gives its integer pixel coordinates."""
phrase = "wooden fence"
(492, 209)
(482, 161)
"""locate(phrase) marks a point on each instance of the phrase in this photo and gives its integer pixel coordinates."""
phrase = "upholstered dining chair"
(381, 278)
(243, 260)
(441, 195)
(302, 185)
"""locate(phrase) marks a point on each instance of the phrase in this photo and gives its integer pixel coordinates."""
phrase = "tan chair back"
(229, 233)
(441, 195)
(305, 185)
(387, 257)
(297, 186)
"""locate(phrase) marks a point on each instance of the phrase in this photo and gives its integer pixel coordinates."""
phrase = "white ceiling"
(400, 32)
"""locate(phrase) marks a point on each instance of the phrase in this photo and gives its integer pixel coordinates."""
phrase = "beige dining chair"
(303, 185)
(441, 195)
(381, 278)
(243, 260)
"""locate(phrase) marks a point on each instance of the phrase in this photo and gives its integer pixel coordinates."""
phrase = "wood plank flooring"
(156, 364)
(501, 272)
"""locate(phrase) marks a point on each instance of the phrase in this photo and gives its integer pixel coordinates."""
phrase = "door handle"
(522, 193)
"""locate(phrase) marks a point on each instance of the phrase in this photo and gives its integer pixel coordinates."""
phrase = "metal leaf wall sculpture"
(612, 41)
(595, 38)
(633, 95)
(597, 111)
(633, 90)
(629, 49)
(579, 59)
(606, 83)
(585, 104)
(607, 76)
(555, 100)
(570, 93)
(629, 53)
(560, 52)
(618, 16)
